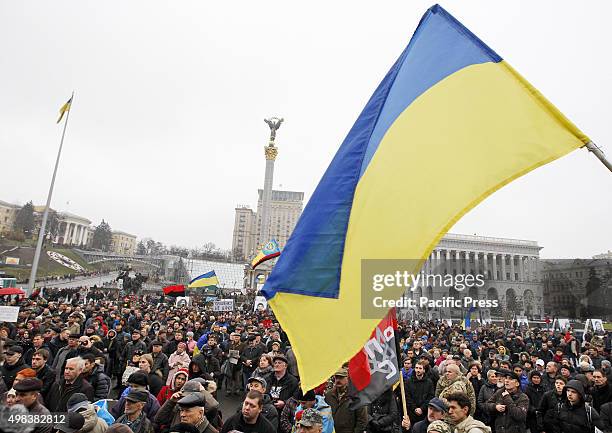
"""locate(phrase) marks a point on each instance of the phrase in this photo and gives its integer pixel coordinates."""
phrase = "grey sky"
(166, 134)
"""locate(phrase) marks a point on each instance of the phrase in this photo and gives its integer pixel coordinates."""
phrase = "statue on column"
(274, 123)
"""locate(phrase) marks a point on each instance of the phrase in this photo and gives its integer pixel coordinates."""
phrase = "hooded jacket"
(575, 418)
(166, 392)
(208, 365)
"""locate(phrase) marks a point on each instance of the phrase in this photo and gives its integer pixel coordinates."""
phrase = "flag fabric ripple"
(449, 124)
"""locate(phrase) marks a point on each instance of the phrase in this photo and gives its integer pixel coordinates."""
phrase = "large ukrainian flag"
(450, 124)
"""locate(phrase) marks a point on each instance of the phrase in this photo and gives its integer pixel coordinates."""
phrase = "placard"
(261, 304)
(223, 305)
(8, 314)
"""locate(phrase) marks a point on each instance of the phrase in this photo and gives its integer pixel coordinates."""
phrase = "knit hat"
(76, 402)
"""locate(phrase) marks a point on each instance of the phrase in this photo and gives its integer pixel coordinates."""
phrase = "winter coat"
(418, 394)
(324, 410)
(547, 411)
(514, 418)
(176, 362)
(283, 388)
(601, 395)
(535, 395)
(60, 393)
(287, 416)
(166, 392)
(577, 418)
(161, 363)
(150, 409)
(208, 365)
(486, 392)
(169, 415)
(130, 348)
(345, 419)
(59, 362)
(47, 377)
(382, 414)
(460, 384)
(606, 417)
(93, 424)
(470, 425)
(100, 382)
(10, 371)
(237, 422)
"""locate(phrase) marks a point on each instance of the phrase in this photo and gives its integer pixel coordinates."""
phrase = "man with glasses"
(282, 384)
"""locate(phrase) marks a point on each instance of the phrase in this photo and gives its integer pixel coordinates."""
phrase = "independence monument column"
(271, 151)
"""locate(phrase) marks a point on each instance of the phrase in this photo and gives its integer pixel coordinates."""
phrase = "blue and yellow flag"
(208, 279)
(467, 321)
(450, 124)
(269, 251)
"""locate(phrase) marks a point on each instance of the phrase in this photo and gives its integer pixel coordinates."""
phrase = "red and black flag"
(375, 368)
(174, 290)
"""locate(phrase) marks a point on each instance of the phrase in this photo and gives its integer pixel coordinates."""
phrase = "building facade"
(8, 212)
(73, 230)
(285, 210)
(123, 243)
(510, 268)
(578, 288)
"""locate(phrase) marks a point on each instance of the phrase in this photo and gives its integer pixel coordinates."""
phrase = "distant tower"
(271, 151)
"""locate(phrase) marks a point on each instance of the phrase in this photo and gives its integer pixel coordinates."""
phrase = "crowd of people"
(144, 365)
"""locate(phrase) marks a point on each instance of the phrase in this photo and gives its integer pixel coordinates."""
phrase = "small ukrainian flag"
(65, 108)
(208, 279)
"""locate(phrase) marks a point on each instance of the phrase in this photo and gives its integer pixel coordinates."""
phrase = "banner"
(375, 368)
(9, 314)
(223, 305)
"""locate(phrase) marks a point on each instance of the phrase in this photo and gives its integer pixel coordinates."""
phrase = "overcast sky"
(166, 133)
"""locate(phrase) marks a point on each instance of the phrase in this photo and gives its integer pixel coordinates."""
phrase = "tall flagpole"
(592, 147)
(41, 233)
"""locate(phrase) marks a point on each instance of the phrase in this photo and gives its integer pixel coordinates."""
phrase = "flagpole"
(41, 233)
(592, 147)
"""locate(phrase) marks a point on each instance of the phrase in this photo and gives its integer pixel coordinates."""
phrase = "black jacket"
(283, 388)
(547, 410)
(10, 371)
(60, 393)
(208, 366)
(418, 394)
(606, 417)
(535, 395)
(383, 414)
(47, 376)
(237, 422)
(601, 395)
(514, 418)
(99, 381)
(578, 418)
